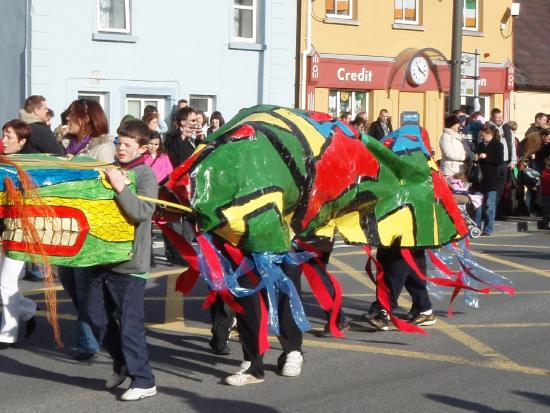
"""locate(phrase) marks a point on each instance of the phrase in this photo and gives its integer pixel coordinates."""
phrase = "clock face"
(419, 71)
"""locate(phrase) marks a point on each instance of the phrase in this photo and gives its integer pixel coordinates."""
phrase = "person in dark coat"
(181, 143)
(42, 139)
(490, 155)
(381, 126)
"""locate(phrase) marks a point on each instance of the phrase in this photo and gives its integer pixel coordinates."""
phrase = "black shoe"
(5, 346)
(342, 326)
(220, 348)
(380, 321)
(84, 356)
(31, 325)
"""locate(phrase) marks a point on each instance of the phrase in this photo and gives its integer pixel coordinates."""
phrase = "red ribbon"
(237, 257)
(314, 273)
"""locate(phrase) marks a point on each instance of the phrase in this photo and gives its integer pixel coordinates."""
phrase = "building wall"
(12, 58)
(526, 105)
(371, 39)
(177, 50)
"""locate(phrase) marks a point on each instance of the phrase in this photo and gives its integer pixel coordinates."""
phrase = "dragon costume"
(259, 188)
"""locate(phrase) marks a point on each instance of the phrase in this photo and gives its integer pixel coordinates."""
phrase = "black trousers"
(398, 274)
(502, 205)
(115, 309)
(248, 323)
(222, 320)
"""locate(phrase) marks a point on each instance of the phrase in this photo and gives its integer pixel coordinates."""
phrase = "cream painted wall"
(525, 106)
(374, 35)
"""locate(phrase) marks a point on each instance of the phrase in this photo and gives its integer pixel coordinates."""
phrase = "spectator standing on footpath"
(42, 140)
(162, 127)
(381, 126)
(545, 193)
(15, 306)
(216, 122)
(115, 301)
(455, 150)
(490, 156)
(89, 131)
(35, 113)
(181, 143)
(509, 158)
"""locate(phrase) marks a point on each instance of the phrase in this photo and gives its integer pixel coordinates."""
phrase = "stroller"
(467, 203)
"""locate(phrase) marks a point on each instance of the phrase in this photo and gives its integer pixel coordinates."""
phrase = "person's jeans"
(487, 212)
(76, 281)
(116, 309)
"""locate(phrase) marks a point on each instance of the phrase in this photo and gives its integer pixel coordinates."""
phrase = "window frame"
(211, 102)
(470, 29)
(87, 95)
(416, 22)
(340, 16)
(254, 9)
(127, 18)
(161, 103)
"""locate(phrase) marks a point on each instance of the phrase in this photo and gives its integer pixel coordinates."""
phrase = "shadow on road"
(466, 405)
(214, 405)
(16, 368)
(543, 399)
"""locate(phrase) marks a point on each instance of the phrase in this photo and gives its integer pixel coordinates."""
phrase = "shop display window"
(347, 101)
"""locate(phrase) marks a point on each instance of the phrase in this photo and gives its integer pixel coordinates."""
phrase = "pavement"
(492, 359)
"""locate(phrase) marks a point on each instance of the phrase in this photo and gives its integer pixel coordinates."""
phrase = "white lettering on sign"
(363, 76)
(482, 82)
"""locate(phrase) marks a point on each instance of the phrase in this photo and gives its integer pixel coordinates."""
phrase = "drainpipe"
(27, 48)
(307, 51)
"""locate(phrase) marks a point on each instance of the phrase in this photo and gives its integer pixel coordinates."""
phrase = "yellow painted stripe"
(448, 329)
(512, 264)
(173, 305)
(518, 246)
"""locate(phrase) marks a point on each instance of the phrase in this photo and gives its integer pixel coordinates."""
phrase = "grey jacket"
(139, 213)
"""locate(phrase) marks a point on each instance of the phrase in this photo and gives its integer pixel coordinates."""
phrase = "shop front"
(338, 83)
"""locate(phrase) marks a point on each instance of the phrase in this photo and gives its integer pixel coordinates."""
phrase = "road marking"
(448, 329)
(544, 273)
(505, 325)
(335, 344)
(173, 306)
(517, 245)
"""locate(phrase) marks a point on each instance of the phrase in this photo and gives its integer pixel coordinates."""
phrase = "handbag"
(475, 175)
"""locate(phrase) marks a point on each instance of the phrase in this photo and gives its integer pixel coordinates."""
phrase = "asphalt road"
(492, 359)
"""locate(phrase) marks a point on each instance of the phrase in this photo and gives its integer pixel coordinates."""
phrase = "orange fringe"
(19, 199)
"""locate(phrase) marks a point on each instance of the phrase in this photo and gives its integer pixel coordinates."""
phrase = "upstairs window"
(406, 11)
(470, 14)
(113, 16)
(244, 20)
(341, 9)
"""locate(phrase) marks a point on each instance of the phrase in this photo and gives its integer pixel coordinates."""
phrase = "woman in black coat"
(490, 155)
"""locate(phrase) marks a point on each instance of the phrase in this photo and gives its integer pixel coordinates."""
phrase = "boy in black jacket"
(116, 293)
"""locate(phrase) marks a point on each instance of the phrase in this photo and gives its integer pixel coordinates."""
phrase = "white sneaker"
(115, 380)
(293, 364)
(240, 378)
(133, 394)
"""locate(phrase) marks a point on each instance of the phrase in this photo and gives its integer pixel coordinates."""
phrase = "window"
(339, 8)
(113, 16)
(244, 20)
(98, 97)
(202, 102)
(136, 103)
(347, 101)
(470, 15)
(406, 11)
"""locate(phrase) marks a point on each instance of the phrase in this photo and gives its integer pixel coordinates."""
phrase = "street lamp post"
(456, 54)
